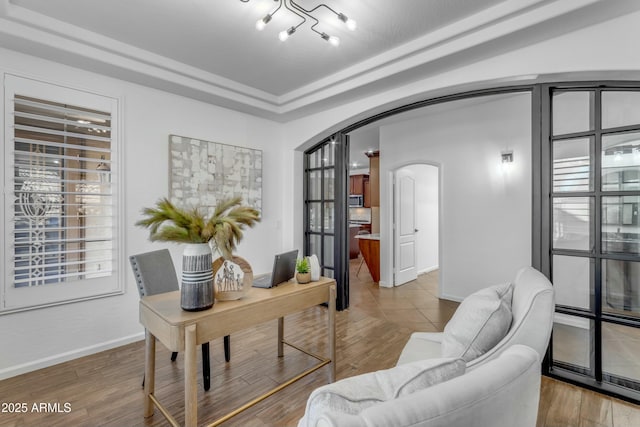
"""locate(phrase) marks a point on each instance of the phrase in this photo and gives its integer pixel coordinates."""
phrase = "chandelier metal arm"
(277, 8)
(293, 9)
(314, 9)
(306, 12)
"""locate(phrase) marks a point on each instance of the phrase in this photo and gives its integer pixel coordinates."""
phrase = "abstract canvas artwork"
(201, 173)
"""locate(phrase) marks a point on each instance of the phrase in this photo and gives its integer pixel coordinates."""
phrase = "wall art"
(201, 173)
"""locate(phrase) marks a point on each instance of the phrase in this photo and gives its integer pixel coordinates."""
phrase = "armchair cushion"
(352, 395)
(479, 323)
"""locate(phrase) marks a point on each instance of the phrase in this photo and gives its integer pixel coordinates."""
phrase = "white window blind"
(62, 216)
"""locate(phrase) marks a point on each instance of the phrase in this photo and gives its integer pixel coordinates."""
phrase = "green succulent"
(167, 222)
(302, 265)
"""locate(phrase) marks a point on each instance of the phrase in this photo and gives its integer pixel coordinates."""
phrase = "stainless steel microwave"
(355, 201)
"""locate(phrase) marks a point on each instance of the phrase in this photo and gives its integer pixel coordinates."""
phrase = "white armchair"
(532, 306)
(503, 392)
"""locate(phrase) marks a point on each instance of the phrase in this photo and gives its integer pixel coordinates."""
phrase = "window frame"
(13, 299)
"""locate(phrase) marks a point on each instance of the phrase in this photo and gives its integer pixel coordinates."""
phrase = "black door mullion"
(597, 222)
(341, 223)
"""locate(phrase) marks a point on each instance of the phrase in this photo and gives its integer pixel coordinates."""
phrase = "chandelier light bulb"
(333, 40)
(284, 34)
(350, 23)
(261, 23)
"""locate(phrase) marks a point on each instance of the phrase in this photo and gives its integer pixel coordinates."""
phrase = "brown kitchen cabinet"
(366, 199)
(357, 184)
(374, 170)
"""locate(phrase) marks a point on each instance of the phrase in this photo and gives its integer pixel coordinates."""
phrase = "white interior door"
(405, 227)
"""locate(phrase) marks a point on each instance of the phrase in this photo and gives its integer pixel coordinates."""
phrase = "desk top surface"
(167, 305)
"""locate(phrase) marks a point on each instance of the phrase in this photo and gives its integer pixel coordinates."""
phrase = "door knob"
(415, 230)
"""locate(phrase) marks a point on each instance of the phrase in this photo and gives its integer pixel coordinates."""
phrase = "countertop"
(375, 236)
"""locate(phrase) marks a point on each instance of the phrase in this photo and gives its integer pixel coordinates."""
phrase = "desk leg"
(332, 332)
(190, 382)
(149, 372)
(280, 336)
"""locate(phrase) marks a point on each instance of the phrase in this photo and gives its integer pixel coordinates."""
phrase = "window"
(60, 209)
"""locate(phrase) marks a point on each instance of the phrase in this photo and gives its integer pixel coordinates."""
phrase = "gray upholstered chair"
(155, 274)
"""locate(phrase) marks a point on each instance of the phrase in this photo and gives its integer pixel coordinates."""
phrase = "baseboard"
(428, 270)
(451, 297)
(65, 357)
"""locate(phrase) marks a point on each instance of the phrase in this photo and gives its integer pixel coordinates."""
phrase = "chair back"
(154, 272)
(533, 308)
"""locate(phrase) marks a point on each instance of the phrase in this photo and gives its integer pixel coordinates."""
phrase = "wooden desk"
(181, 330)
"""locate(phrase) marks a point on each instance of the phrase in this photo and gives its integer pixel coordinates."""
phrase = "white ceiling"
(210, 49)
(219, 36)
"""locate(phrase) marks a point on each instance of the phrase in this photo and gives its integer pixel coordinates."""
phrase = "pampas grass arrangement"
(167, 222)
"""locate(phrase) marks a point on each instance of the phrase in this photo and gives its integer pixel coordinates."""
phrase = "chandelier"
(304, 14)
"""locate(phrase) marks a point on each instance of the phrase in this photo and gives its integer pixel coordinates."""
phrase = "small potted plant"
(303, 274)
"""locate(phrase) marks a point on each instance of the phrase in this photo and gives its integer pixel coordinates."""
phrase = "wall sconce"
(507, 161)
(507, 157)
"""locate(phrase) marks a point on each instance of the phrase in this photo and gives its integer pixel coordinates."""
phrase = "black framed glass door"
(594, 234)
(325, 210)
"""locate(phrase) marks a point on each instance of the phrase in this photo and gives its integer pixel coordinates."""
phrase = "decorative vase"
(231, 278)
(314, 267)
(196, 292)
(303, 278)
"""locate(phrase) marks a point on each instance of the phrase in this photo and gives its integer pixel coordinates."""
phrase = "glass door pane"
(620, 349)
(620, 226)
(620, 108)
(572, 342)
(572, 281)
(621, 162)
(621, 287)
(572, 169)
(572, 111)
(572, 223)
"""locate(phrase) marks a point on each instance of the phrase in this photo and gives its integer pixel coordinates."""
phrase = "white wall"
(485, 232)
(43, 337)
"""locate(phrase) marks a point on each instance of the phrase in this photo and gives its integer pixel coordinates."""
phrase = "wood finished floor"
(104, 389)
